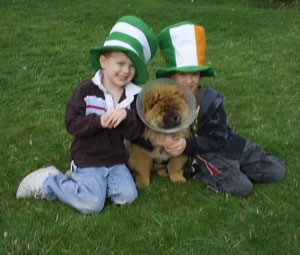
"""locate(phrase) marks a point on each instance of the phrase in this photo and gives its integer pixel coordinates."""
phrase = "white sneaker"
(32, 184)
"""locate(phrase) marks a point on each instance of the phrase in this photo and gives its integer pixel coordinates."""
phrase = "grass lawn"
(254, 47)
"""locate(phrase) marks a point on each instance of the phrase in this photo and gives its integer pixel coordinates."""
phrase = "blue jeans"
(87, 188)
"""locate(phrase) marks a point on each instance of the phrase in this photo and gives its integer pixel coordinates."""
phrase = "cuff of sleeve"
(191, 145)
(129, 117)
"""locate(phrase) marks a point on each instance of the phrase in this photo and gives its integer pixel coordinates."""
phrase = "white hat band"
(121, 44)
(137, 34)
(185, 46)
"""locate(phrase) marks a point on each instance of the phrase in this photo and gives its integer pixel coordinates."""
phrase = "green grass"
(254, 47)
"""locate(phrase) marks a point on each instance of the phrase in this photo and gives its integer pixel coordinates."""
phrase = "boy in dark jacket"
(223, 160)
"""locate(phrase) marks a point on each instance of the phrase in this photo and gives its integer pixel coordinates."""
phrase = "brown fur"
(158, 103)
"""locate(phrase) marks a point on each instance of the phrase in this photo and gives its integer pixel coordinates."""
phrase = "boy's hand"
(113, 118)
(176, 147)
(173, 145)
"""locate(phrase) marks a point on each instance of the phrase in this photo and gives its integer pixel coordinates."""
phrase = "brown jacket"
(93, 145)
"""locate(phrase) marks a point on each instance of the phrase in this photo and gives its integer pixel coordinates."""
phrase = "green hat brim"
(205, 71)
(141, 72)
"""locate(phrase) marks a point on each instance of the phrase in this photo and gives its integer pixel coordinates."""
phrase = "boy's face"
(189, 80)
(118, 70)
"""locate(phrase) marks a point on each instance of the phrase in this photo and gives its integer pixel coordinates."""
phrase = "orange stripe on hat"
(200, 44)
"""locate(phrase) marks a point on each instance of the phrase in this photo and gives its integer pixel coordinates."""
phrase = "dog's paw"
(163, 172)
(142, 182)
(177, 178)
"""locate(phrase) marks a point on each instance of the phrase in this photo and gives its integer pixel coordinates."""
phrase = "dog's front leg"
(175, 168)
(140, 164)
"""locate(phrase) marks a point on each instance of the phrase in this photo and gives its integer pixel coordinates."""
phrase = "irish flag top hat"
(183, 47)
(135, 39)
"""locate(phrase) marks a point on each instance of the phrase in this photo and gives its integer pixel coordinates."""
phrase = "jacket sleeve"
(211, 137)
(76, 120)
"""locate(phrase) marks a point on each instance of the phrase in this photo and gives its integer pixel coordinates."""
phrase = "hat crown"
(183, 46)
(186, 42)
(133, 37)
(142, 47)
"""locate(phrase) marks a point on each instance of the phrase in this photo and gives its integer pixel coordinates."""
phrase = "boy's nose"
(126, 69)
(188, 79)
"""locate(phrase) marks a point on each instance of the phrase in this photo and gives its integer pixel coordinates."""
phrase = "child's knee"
(91, 206)
(275, 172)
(132, 195)
(125, 197)
(279, 172)
(241, 187)
(244, 189)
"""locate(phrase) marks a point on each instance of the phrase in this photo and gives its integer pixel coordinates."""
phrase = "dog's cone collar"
(189, 98)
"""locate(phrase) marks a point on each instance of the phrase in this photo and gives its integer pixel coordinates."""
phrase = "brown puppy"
(165, 110)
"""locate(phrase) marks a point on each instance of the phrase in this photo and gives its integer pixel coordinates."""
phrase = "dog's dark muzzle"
(171, 119)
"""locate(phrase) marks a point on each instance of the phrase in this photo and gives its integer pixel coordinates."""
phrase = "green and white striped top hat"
(183, 47)
(134, 38)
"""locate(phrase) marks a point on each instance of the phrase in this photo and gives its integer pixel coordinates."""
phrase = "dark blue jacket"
(212, 132)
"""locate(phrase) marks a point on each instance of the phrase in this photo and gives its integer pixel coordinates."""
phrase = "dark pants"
(235, 176)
